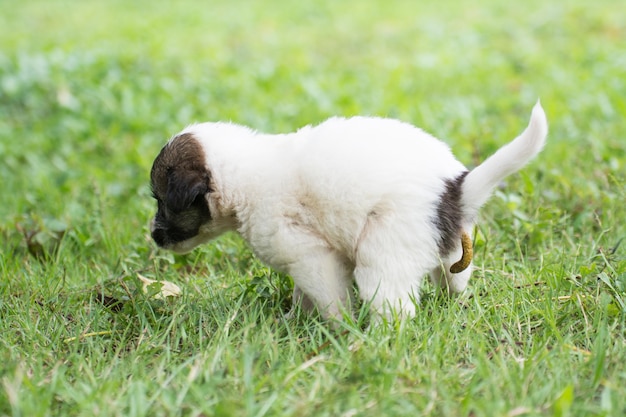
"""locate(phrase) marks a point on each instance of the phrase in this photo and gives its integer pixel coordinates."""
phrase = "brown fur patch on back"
(450, 214)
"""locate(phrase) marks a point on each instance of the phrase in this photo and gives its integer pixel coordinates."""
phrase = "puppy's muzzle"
(158, 233)
(159, 236)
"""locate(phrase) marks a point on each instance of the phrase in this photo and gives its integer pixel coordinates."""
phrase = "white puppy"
(367, 200)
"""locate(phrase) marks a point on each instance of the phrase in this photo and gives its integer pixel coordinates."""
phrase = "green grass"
(90, 91)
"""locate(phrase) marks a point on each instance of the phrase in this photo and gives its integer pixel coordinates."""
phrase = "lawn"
(91, 90)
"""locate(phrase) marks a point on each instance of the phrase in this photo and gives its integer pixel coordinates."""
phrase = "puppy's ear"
(184, 186)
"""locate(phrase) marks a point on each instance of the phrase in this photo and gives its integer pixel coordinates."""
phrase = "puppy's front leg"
(322, 279)
(299, 298)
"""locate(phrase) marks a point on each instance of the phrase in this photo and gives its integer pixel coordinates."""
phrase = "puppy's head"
(181, 183)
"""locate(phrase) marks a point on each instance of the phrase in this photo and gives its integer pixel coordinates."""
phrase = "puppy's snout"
(159, 236)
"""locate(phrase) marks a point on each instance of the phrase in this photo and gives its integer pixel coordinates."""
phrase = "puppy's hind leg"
(454, 272)
(449, 282)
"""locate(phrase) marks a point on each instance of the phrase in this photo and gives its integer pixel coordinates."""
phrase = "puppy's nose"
(159, 236)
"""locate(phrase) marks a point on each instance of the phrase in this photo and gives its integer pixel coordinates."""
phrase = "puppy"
(368, 200)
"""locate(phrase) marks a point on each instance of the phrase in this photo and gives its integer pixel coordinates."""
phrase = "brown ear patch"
(183, 187)
(179, 173)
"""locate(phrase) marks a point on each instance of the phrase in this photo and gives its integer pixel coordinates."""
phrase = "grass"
(90, 91)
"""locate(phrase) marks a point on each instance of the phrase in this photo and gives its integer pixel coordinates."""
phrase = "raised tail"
(480, 182)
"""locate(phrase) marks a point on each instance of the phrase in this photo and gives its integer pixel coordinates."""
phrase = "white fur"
(348, 200)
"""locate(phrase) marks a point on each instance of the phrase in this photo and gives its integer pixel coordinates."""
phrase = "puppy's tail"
(480, 182)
